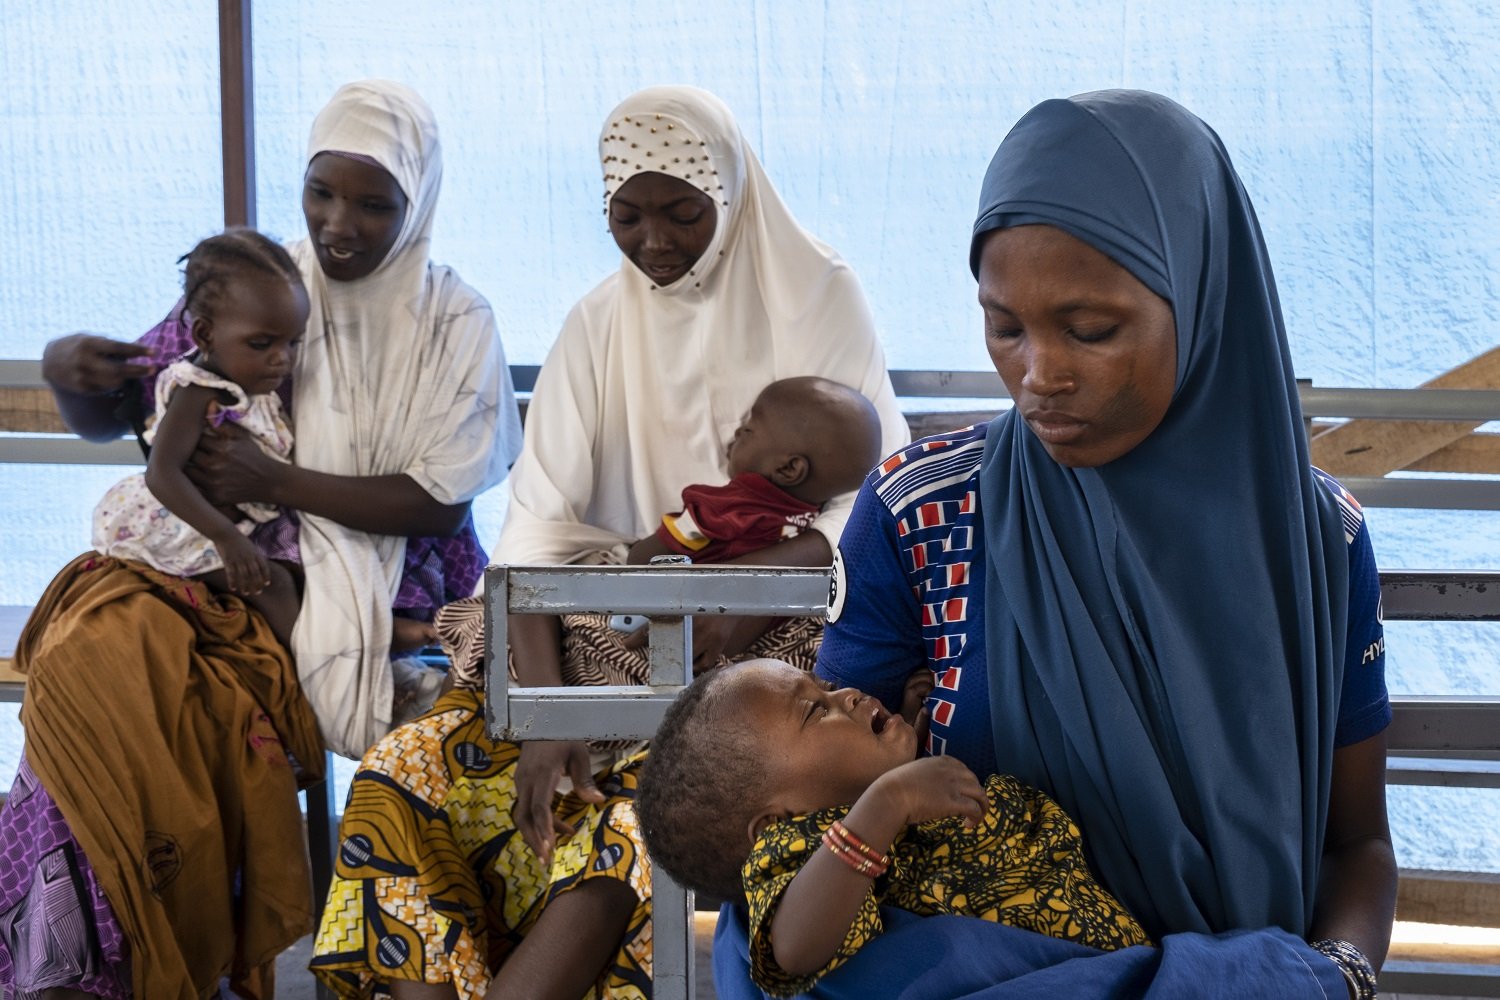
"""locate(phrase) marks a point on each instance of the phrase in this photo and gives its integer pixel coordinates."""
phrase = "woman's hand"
(930, 788)
(408, 634)
(542, 765)
(88, 365)
(229, 468)
(713, 638)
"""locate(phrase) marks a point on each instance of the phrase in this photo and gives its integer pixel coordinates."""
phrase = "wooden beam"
(1379, 447)
(237, 112)
(1464, 899)
(29, 410)
(1477, 453)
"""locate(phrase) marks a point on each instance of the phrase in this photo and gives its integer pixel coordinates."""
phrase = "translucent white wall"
(1367, 133)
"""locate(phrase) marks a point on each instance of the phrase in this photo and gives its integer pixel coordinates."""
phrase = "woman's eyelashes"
(380, 206)
(1083, 336)
(1093, 336)
(685, 223)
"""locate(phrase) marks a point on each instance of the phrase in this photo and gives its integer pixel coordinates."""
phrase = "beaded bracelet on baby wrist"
(850, 840)
(1357, 970)
(854, 852)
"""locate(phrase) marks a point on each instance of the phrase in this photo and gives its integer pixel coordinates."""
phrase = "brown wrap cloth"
(159, 717)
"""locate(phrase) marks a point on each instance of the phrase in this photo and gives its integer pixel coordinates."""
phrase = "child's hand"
(931, 788)
(246, 568)
(918, 686)
(408, 634)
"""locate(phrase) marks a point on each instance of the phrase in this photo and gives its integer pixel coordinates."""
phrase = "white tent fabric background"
(1368, 134)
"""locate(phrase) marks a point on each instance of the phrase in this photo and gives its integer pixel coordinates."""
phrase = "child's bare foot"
(408, 634)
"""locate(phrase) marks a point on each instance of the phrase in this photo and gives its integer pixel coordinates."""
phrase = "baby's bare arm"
(820, 904)
(177, 436)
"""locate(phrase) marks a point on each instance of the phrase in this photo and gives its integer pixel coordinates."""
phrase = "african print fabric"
(1023, 865)
(434, 885)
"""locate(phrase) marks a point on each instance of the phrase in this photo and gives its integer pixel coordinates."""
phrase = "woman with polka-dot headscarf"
(463, 870)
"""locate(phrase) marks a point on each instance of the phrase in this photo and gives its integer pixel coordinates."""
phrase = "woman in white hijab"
(720, 293)
(401, 375)
(404, 413)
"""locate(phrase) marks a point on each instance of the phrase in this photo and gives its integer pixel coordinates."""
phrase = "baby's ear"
(201, 331)
(763, 820)
(791, 470)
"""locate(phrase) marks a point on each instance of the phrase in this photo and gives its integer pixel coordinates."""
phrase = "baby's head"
(814, 438)
(748, 744)
(248, 305)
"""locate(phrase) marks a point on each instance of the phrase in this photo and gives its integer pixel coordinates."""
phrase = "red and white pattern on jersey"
(929, 490)
(1349, 508)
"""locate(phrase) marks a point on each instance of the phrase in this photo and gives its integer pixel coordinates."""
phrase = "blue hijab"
(1166, 632)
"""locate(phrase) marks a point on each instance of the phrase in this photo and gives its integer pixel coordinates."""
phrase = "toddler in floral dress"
(248, 309)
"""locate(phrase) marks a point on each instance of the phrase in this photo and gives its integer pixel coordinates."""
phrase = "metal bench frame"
(669, 596)
(1433, 741)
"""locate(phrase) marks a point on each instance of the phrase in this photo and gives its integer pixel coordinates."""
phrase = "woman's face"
(354, 213)
(662, 225)
(1088, 353)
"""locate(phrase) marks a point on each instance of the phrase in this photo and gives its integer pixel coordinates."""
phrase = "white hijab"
(400, 372)
(645, 386)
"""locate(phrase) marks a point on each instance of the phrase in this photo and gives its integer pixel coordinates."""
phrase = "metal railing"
(1448, 741)
(669, 596)
(1317, 402)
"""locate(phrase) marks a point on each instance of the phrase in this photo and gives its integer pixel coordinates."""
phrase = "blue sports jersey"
(909, 592)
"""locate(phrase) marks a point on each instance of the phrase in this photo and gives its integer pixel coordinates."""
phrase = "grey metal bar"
(1402, 404)
(21, 374)
(1447, 979)
(584, 713)
(669, 591)
(1425, 494)
(1439, 595)
(60, 450)
(671, 938)
(1458, 726)
(939, 384)
(1442, 772)
(1317, 401)
(670, 595)
(670, 653)
(497, 703)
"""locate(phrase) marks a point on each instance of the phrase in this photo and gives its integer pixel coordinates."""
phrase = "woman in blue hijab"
(1134, 590)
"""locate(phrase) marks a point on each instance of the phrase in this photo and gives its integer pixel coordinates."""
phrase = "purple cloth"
(56, 926)
(437, 570)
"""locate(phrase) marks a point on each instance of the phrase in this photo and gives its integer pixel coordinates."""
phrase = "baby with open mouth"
(812, 804)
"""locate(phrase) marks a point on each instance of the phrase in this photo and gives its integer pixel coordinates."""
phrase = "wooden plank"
(1379, 447)
(1464, 899)
(30, 411)
(1477, 453)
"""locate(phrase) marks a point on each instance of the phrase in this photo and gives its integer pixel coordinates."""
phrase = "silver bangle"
(1352, 962)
